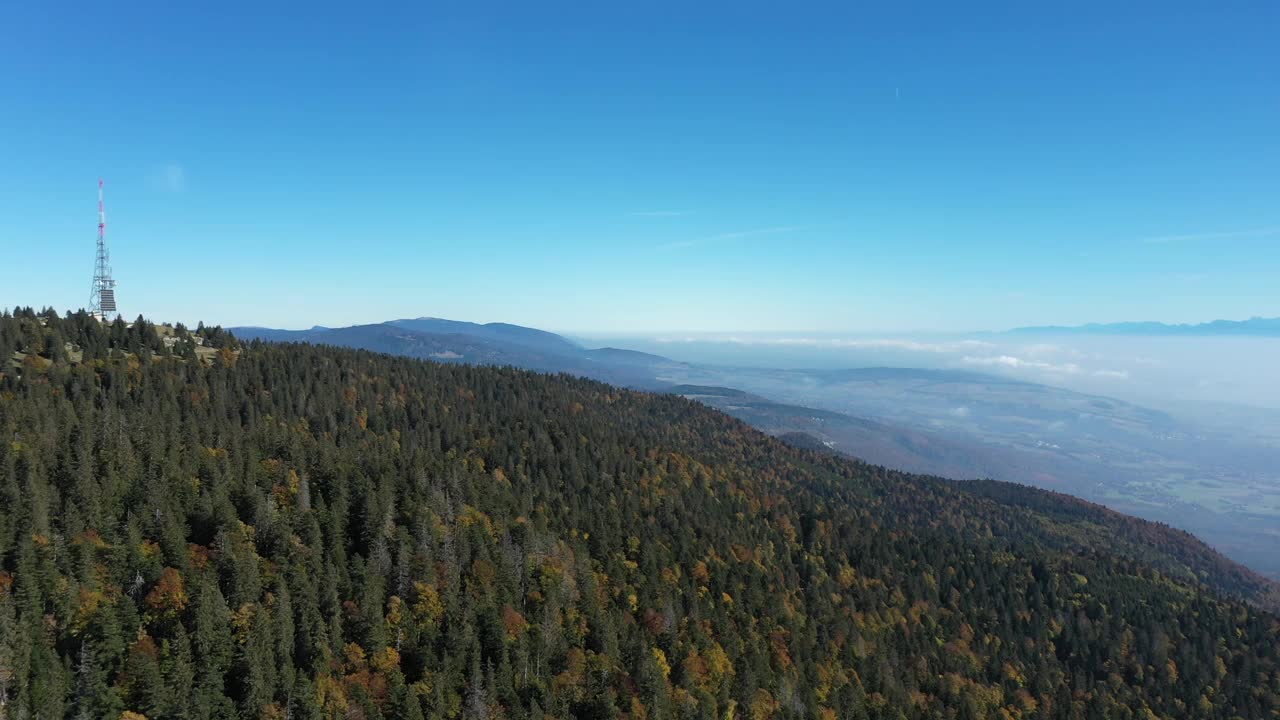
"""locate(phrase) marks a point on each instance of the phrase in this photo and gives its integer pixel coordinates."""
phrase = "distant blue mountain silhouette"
(1256, 326)
(487, 344)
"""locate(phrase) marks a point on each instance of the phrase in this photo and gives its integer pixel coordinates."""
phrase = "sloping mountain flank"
(286, 530)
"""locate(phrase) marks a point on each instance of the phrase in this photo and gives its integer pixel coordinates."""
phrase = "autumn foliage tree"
(287, 531)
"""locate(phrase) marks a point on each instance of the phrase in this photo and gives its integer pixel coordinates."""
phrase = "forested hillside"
(272, 531)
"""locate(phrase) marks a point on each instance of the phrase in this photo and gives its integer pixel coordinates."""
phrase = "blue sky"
(647, 166)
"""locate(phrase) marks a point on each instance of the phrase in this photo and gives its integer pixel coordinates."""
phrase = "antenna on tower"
(102, 296)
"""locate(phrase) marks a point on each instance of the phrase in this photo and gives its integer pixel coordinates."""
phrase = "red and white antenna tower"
(102, 296)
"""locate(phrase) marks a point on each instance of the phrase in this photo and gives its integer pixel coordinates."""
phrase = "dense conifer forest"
(228, 530)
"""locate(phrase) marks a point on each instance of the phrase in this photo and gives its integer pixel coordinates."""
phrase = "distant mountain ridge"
(481, 344)
(1255, 326)
(503, 332)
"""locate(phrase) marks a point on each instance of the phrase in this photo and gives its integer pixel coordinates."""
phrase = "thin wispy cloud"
(1017, 363)
(1114, 374)
(660, 213)
(1014, 362)
(1229, 235)
(169, 178)
(1040, 350)
(728, 237)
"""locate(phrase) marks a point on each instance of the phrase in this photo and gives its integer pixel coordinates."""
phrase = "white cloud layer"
(1017, 363)
(1047, 362)
(853, 343)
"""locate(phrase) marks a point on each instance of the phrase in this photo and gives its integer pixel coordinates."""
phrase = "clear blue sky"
(647, 166)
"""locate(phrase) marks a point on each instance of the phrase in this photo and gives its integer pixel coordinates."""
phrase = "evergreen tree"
(292, 531)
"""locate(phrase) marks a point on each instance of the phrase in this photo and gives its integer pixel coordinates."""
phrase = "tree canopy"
(269, 531)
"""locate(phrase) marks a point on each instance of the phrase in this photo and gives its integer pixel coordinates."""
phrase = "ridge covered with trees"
(287, 531)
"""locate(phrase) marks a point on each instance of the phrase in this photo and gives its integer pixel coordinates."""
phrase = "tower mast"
(102, 296)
